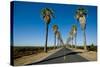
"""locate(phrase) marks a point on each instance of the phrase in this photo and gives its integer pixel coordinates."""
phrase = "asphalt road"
(64, 55)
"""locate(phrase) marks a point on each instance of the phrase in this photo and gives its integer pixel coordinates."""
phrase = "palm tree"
(47, 13)
(74, 32)
(81, 14)
(55, 29)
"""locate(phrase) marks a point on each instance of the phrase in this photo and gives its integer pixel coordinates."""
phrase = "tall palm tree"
(55, 29)
(81, 14)
(74, 32)
(47, 13)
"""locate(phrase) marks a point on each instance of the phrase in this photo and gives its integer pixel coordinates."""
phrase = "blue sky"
(29, 27)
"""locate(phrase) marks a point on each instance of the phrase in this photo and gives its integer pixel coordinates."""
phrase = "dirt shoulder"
(89, 55)
(33, 58)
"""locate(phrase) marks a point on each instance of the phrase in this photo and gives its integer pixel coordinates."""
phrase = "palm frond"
(49, 10)
(55, 28)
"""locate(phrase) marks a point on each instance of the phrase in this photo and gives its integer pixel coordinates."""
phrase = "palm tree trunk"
(84, 36)
(72, 42)
(46, 39)
(62, 42)
(59, 43)
(55, 41)
(75, 41)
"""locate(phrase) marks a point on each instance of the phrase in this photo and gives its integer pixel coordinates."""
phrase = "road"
(64, 55)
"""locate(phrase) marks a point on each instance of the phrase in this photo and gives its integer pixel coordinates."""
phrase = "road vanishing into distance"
(64, 55)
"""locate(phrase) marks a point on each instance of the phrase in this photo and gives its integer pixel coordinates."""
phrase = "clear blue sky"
(29, 27)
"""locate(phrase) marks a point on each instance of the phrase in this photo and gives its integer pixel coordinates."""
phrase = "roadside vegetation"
(91, 47)
(27, 50)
